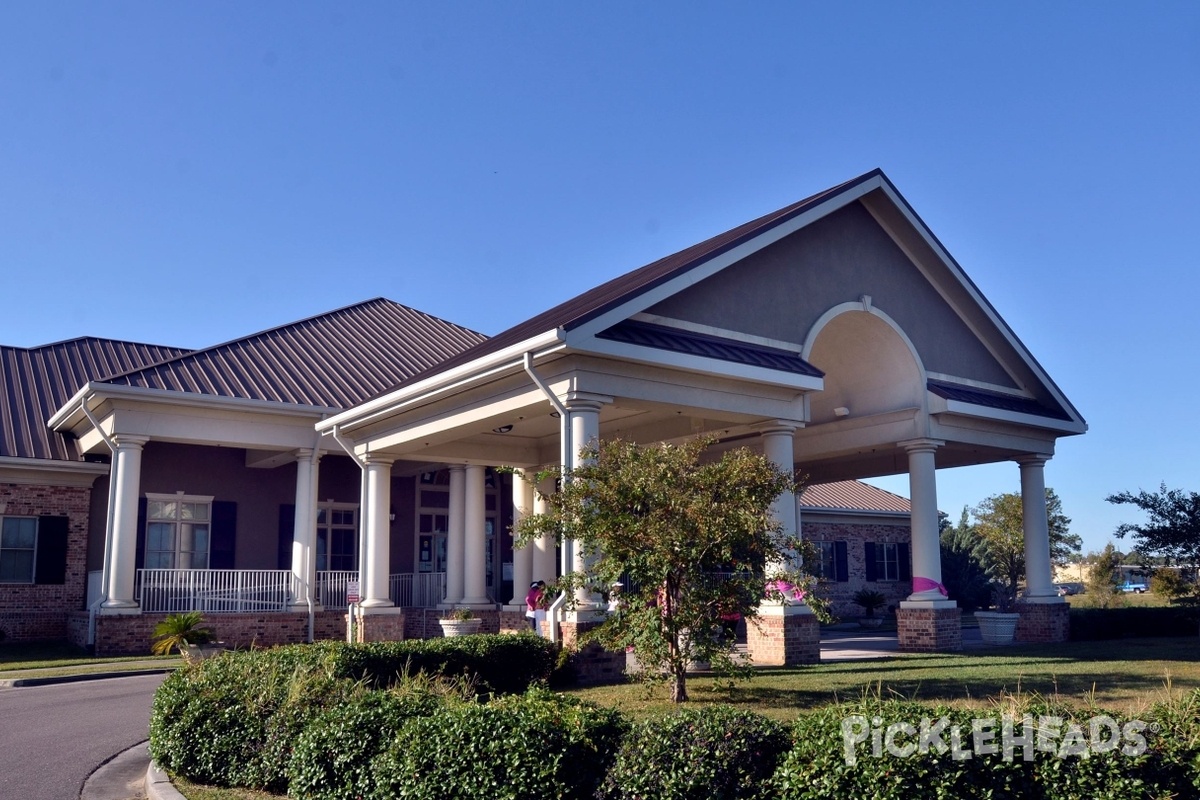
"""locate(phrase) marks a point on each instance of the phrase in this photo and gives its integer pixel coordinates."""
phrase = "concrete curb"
(159, 786)
(11, 683)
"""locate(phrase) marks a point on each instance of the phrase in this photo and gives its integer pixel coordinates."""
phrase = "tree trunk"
(679, 686)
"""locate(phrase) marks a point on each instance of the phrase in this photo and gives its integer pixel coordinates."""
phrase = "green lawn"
(1122, 675)
(44, 659)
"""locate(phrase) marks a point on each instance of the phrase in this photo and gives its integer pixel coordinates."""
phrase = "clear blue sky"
(187, 173)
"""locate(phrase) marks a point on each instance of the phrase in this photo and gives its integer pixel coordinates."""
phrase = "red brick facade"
(773, 639)
(30, 612)
(130, 634)
(1043, 622)
(929, 630)
(856, 535)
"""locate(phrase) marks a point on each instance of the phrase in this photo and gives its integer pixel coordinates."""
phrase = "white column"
(454, 537)
(475, 553)
(378, 475)
(304, 530)
(926, 541)
(778, 449)
(545, 548)
(127, 466)
(1039, 582)
(522, 500)
(585, 432)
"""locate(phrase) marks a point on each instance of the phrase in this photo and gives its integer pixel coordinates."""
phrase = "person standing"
(534, 606)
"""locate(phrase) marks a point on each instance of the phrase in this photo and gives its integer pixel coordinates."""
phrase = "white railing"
(331, 587)
(417, 589)
(214, 591)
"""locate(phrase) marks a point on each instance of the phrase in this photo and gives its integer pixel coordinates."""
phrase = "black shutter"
(287, 533)
(869, 560)
(224, 535)
(51, 557)
(139, 561)
(902, 558)
(841, 562)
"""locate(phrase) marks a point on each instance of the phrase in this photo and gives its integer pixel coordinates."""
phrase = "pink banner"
(925, 584)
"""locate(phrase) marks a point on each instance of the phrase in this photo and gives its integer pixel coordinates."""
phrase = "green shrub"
(708, 752)
(818, 765)
(536, 746)
(332, 757)
(1093, 624)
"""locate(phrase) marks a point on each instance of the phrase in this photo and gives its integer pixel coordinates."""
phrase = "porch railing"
(417, 589)
(214, 591)
(229, 591)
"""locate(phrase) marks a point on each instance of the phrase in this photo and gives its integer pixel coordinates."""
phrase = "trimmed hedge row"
(310, 724)
(1095, 624)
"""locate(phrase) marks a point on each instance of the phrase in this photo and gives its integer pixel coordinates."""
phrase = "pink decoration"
(925, 584)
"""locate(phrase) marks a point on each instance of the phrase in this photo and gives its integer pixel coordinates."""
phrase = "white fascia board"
(51, 465)
(980, 301)
(108, 391)
(959, 408)
(717, 263)
(501, 361)
(705, 366)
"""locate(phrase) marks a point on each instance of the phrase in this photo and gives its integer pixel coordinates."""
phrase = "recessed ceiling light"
(502, 429)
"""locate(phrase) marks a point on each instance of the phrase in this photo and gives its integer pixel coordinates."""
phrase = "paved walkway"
(846, 643)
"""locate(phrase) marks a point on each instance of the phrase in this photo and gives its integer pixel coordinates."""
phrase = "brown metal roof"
(38, 381)
(853, 496)
(334, 360)
(594, 302)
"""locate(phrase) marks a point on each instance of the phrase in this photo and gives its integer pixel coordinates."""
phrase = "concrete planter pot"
(459, 627)
(996, 627)
(870, 622)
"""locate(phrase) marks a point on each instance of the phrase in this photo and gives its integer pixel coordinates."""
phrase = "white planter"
(459, 627)
(996, 627)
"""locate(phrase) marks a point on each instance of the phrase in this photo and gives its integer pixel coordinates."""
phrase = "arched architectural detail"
(871, 365)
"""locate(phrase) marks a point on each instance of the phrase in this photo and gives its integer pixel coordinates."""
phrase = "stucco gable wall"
(781, 291)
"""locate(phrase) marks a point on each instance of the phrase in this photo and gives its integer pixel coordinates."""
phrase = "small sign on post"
(352, 595)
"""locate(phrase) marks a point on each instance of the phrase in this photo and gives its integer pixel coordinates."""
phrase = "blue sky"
(186, 174)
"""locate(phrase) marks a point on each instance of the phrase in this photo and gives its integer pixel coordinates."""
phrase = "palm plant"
(179, 629)
(870, 600)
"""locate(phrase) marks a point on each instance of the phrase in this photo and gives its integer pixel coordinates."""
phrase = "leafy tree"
(1173, 530)
(1102, 587)
(664, 520)
(965, 565)
(999, 522)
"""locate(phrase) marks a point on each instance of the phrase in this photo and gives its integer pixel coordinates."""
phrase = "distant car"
(1067, 589)
(1130, 586)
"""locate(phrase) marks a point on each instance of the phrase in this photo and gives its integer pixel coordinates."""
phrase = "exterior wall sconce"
(841, 411)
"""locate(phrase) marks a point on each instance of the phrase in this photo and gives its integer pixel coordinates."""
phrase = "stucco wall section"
(780, 291)
(31, 612)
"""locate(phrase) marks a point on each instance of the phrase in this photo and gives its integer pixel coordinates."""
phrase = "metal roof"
(997, 400)
(334, 360)
(37, 381)
(853, 496)
(705, 345)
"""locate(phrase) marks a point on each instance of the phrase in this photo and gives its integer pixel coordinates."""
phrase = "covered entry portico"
(836, 336)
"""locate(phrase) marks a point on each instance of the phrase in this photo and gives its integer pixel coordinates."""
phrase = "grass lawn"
(1124, 675)
(48, 659)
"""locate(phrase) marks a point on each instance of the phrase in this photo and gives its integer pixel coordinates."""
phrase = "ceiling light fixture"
(502, 429)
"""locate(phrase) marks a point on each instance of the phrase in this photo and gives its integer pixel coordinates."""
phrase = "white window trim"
(33, 566)
(882, 561)
(330, 505)
(180, 497)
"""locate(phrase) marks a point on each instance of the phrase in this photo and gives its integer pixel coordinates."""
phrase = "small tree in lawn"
(667, 523)
(1102, 587)
(999, 520)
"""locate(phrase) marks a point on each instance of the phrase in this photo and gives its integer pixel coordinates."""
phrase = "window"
(887, 561)
(177, 531)
(831, 562)
(18, 544)
(337, 537)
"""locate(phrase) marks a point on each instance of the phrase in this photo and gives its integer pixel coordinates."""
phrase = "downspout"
(564, 438)
(106, 566)
(356, 613)
(312, 520)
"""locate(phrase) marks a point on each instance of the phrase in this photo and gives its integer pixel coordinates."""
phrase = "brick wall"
(929, 630)
(855, 535)
(39, 611)
(130, 634)
(777, 640)
(1043, 622)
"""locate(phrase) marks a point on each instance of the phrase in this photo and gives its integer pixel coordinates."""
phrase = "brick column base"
(1043, 622)
(783, 636)
(922, 628)
(514, 621)
(378, 626)
(591, 663)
